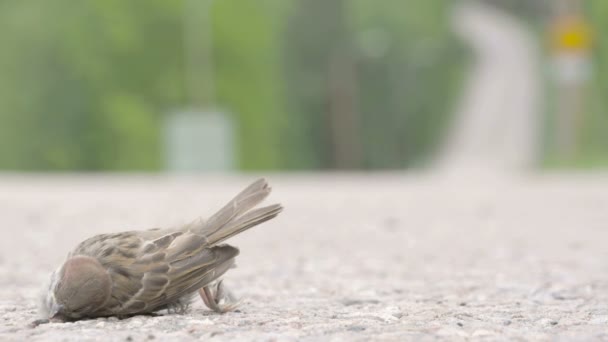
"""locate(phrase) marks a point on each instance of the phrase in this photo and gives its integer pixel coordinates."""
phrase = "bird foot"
(38, 322)
(218, 299)
(42, 321)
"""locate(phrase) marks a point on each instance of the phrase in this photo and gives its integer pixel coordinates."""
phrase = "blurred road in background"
(496, 125)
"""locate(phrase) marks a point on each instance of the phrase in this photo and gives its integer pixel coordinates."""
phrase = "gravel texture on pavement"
(352, 257)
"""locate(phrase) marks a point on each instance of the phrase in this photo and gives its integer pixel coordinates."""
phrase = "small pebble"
(356, 328)
(547, 321)
(349, 302)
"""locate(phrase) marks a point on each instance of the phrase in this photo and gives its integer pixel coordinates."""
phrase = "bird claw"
(42, 321)
(38, 322)
(218, 299)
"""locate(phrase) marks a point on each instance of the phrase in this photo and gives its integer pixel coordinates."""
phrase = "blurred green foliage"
(85, 85)
(407, 70)
(407, 91)
(592, 145)
(595, 130)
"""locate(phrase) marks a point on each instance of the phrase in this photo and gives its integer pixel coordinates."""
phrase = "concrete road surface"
(353, 257)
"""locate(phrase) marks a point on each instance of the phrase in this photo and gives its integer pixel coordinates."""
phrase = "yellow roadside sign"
(571, 34)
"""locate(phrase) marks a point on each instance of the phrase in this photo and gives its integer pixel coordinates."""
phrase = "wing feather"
(176, 267)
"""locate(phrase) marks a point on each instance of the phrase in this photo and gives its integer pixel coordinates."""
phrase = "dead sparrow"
(140, 272)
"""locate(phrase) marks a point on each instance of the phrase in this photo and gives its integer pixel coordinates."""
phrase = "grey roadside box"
(196, 140)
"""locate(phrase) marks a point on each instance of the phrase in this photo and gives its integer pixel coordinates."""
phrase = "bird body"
(140, 272)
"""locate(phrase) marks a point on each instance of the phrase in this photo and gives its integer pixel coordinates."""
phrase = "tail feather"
(237, 216)
(248, 220)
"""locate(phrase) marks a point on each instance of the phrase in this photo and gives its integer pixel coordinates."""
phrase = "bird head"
(78, 287)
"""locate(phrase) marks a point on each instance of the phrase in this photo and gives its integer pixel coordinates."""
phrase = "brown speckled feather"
(158, 269)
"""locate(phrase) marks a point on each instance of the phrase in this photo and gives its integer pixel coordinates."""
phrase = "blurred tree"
(316, 32)
(532, 9)
(592, 146)
(410, 70)
(595, 131)
(85, 84)
(403, 65)
(248, 75)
